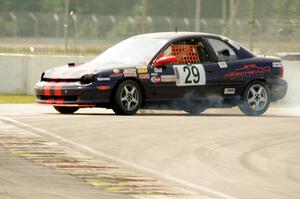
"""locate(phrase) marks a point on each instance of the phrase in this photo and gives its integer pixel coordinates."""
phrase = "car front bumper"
(73, 94)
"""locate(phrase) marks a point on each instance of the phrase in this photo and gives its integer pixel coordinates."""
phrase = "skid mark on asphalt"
(109, 177)
(146, 188)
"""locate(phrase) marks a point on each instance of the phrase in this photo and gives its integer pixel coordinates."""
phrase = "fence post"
(66, 24)
(169, 21)
(251, 23)
(74, 18)
(132, 27)
(15, 19)
(197, 15)
(113, 19)
(187, 23)
(56, 19)
(95, 20)
(224, 11)
(35, 24)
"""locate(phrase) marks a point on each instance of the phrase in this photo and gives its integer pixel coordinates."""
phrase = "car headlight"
(88, 78)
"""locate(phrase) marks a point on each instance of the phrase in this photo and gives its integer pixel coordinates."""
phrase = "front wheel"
(66, 110)
(256, 99)
(127, 98)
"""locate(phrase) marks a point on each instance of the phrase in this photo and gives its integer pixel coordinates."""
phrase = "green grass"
(16, 99)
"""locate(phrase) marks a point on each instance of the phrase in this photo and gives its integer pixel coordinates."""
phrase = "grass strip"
(16, 99)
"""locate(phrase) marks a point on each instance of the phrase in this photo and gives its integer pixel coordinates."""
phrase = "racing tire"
(127, 98)
(66, 110)
(255, 99)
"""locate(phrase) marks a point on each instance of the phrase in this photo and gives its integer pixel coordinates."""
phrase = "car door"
(200, 78)
(193, 76)
(227, 61)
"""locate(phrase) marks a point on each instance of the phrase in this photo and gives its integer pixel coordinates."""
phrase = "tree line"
(172, 8)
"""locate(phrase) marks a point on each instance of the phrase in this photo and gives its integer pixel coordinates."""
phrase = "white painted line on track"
(184, 183)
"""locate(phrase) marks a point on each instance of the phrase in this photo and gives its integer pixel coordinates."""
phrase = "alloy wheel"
(129, 97)
(257, 97)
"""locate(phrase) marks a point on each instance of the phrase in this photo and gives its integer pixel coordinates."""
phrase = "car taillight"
(281, 72)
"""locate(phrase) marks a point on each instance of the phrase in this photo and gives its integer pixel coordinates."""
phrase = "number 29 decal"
(190, 75)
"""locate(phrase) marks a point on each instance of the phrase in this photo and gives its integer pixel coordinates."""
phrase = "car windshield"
(134, 51)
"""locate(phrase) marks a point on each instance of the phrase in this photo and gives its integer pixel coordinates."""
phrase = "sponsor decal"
(154, 74)
(168, 78)
(156, 79)
(222, 64)
(103, 79)
(157, 70)
(129, 72)
(116, 75)
(247, 71)
(277, 64)
(229, 91)
(142, 70)
(144, 76)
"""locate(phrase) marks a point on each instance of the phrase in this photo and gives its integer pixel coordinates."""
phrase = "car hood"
(76, 72)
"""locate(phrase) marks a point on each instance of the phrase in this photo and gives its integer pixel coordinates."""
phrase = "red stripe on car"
(49, 101)
(59, 101)
(47, 89)
(58, 89)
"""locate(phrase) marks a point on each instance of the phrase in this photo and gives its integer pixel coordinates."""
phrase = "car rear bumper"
(72, 94)
(278, 88)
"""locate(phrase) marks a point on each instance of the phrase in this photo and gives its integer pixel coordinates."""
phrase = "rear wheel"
(127, 98)
(256, 99)
(66, 110)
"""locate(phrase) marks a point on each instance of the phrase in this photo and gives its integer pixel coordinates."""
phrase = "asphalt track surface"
(26, 180)
(219, 154)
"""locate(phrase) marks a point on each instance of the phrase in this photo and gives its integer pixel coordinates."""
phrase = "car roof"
(173, 35)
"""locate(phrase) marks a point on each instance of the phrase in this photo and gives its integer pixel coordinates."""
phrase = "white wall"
(19, 73)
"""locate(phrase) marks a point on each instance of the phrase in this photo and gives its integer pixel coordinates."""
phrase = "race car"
(171, 70)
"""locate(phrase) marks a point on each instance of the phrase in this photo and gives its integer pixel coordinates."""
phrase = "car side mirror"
(165, 60)
(225, 52)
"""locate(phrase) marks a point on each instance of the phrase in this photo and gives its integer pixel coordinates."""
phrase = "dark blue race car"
(184, 71)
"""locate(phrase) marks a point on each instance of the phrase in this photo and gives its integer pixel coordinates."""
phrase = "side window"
(223, 51)
(188, 51)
